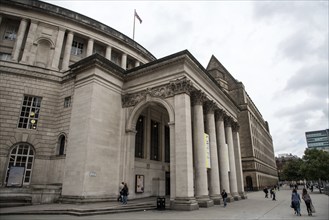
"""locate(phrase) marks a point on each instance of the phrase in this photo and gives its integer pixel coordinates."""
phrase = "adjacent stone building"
(84, 107)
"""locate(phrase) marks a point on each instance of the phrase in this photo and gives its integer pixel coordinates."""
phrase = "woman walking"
(295, 201)
(307, 199)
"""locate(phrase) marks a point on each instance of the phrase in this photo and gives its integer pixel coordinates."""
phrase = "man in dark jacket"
(224, 195)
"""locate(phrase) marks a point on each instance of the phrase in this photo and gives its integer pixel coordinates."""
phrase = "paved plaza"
(255, 207)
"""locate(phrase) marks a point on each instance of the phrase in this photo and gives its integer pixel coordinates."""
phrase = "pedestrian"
(308, 202)
(125, 193)
(224, 195)
(295, 201)
(265, 190)
(120, 192)
(273, 193)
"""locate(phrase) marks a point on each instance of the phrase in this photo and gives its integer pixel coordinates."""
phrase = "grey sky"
(277, 49)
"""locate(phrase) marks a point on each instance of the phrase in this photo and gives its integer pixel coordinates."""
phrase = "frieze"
(174, 87)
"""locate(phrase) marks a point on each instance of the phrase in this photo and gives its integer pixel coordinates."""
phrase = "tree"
(316, 164)
(291, 170)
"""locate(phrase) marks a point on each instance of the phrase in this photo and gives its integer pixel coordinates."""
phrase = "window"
(61, 143)
(21, 155)
(139, 140)
(167, 144)
(30, 112)
(154, 140)
(5, 56)
(67, 102)
(77, 47)
(116, 57)
(10, 32)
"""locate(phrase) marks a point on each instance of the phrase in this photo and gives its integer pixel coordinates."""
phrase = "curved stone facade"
(84, 107)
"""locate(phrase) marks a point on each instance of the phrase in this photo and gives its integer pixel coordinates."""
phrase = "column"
(19, 40)
(108, 52)
(90, 47)
(232, 176)
(222, 153)
(213, 173)
(27, 57)
(172, 162)
(238, 162)
(67, 51)
(184, 190)
(58, 48)
(129, 163)
(201, 182)
(124, 61)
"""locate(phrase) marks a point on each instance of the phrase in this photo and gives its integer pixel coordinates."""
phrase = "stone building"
(84, 107)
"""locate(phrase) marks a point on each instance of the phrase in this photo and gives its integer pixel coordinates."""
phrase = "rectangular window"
(5, 56)
(10, 32)
(167, 144)
(139, 140)
(116, 57)
(67, 102)
(155, 141)
(77, 47)
(30, 112)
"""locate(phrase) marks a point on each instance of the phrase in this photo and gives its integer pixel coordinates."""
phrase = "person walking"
(265, 190)
(224, 196)
(308, 202)
(295, 201)
(120, 192)
(273, 193)
(125, 193)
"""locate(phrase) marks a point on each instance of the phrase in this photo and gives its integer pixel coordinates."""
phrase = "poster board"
(15, 177)
(139, 184)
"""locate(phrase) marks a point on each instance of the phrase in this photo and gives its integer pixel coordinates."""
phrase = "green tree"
(316, 165)
(291, 170)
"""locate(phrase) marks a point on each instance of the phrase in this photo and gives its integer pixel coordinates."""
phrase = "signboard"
(15, 177)
(139, 183)
(206, 146)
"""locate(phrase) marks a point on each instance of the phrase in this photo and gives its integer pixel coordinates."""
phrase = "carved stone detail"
(198, 97)
(235, 127)
(228, 120)
(220, 114)
(174, 87)
(209, 107)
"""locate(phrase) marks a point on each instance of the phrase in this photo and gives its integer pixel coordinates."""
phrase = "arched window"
(22, 155)
(61, 145)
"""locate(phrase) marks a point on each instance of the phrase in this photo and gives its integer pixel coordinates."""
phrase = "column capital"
(182, 85)
(220, 114)
(235, 126)
(198, 97)
(228, 120)
(209, 106)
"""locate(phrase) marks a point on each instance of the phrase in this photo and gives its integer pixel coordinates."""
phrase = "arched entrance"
(149, 125)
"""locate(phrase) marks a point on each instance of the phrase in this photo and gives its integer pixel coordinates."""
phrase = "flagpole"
(134, 25)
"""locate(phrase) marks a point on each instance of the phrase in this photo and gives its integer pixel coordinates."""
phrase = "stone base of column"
(243, 195)
(217, 199)
(205, 201)
(236, 196)
(230, 198)
(184, 204)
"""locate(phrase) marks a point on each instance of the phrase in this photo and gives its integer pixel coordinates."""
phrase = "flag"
(136, 15)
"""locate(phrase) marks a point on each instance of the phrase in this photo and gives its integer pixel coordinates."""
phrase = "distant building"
(282, 159)
(318, 139)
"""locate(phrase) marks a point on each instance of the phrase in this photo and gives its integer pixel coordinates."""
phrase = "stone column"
(58, 48)
(238, 162)
(90, 47)
(124, 61)
(108, 52)
(129, 163)
(199, 153)
(229, 139)
(28, 57)
(184, 190)
(67, 51)
(19, 40)
(172, 162)
(213, 173)
(222, 153)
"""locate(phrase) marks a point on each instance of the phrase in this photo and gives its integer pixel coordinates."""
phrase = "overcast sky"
(277, 49)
